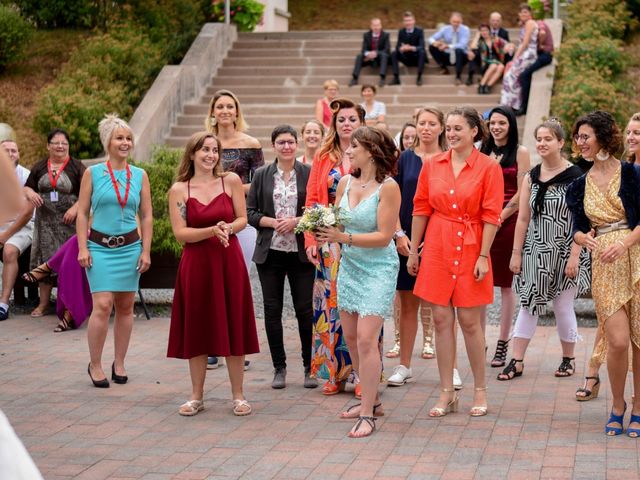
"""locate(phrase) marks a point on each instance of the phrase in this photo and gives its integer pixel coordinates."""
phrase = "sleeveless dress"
(547, 248)
(511, 88)
(114, 269)
(503, 243)
(212, 311)
(614, 285)
(367, 276)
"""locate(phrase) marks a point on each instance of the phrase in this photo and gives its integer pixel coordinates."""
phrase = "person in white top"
(16, 234)
(374, 110)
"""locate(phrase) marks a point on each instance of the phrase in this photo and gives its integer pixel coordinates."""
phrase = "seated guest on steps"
(524, 57)
(605, 204)
(212, 310)
(274, 207)
(53, 188)
(497, 32)
(448, 46)
(73, 301)
(323, 110)
(115, 252)
(458, 202)
(376, 50)
(15, 234)
(241, 154)
(502, 146)
(543, 231)
(429, 143)
(12, 200)
(330, 358)
(369, 263)
(375, 111)
(312, 134)
(409, 49)
(492, 54)
(545, 57)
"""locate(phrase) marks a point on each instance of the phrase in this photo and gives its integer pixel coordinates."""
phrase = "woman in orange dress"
(459, 198)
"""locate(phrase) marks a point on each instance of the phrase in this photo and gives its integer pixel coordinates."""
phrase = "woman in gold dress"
(606, 209)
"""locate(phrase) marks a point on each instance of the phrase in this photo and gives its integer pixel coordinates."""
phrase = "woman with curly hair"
(369, 264)
(605, 204)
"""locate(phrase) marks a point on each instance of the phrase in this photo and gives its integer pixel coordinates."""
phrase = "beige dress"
(614, 285)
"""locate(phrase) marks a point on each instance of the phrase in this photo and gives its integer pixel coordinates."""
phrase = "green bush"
(597, 18)
(15, 32)
(110, 73)
(61, 13)
(162, 171)
(595, 53)
(246, 14)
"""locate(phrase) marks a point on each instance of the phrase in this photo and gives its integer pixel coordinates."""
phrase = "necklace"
(554, 168)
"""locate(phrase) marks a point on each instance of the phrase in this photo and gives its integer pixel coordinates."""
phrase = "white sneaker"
(400, 376)
(457, 381)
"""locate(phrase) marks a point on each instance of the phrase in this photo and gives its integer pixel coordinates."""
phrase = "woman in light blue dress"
(370, 201)
(114, 253)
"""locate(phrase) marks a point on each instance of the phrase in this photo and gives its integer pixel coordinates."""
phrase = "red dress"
(457, 209)
(503, 243)
(212, 311)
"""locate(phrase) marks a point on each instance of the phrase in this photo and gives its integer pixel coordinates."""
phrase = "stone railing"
(176, 85)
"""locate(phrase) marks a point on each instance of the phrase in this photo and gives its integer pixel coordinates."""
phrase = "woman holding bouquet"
(330, 358)
(369, 265)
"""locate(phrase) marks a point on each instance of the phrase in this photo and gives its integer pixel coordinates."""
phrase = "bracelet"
(413, 253)
(517, 250)
(350, 240)
(621, 243)
(230, 229)
(483, 256)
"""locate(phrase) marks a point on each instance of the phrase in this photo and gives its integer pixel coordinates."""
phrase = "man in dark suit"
(376, 49)
(409, 49)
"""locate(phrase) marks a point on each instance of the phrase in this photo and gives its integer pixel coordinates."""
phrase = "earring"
(212, 121)
(602, 155)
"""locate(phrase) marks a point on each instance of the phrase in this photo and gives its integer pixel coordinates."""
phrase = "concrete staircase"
(278, 78)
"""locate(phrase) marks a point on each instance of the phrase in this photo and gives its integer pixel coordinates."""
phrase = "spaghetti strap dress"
(212, 312)
(503, 243)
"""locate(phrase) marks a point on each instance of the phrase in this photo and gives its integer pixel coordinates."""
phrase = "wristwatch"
(399, 234)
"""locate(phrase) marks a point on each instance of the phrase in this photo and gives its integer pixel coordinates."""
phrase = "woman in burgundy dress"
(212, 311)
(515, 162)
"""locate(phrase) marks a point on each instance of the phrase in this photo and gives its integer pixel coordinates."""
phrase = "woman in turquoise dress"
(114, 253)
(369, 263)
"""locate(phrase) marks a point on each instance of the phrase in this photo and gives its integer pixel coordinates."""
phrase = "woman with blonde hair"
(212, 310)
(115, 252)
(323, 108)
(312, 134)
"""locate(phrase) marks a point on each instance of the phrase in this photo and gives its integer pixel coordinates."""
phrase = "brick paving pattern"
(535, 428)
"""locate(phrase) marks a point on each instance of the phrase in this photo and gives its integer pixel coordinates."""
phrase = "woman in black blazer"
(274, 206)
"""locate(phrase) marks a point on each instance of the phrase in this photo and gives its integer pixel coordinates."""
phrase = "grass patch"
(341, 15)
(21, 82)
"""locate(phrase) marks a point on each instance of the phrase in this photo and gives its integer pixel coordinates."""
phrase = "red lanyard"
(123, 203)
(52, 179)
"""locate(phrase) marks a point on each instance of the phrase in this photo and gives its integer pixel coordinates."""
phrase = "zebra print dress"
(546, 252)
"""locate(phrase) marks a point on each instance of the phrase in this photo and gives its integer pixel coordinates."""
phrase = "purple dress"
(73, 288)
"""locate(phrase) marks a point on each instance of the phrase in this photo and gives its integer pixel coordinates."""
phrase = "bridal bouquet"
(319, 216)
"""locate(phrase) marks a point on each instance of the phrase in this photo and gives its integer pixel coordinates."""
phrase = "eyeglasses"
(59, 144)
(282, 143)
(581, 138)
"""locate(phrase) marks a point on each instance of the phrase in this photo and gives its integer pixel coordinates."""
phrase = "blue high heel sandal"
(633, 432)
(613, 431)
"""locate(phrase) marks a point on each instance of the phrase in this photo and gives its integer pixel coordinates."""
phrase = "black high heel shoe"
(104, 383)
(120, 379)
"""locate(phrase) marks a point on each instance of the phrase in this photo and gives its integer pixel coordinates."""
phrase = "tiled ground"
(534, 429)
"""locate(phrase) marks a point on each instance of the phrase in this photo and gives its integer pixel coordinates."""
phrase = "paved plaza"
(535, 428)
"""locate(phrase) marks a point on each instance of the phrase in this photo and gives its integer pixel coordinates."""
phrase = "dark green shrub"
(595, 18)
(162, 171)
(595, 53)
(61, 13)
(246, 14)
(15, 32)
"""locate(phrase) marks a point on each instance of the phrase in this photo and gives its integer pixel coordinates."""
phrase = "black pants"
(382, 59)
(272, 273)
(543, 60)
(442, 58)
(410, 59)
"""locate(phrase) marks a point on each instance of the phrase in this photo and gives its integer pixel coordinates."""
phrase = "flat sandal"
(371, 421)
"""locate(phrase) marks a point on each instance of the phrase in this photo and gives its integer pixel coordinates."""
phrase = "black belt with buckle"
(114, 241)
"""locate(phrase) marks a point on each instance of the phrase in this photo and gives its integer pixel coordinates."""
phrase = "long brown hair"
(383, 150)
(186, 169)
(331, 143)
(209, 122)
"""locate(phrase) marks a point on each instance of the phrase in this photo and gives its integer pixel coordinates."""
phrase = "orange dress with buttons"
(457, 208)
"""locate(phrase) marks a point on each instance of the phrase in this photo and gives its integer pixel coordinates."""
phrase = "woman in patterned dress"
(606, 210)
(330, 358)
(53, 188)
(524, 57)
(548, 265)
(369, 263)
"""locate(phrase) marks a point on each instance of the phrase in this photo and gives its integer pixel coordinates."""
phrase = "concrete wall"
(276, 16)
(540, 95)
(177, 85)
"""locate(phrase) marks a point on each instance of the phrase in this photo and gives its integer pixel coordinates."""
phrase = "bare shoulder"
(178, 188)
(231, 179)
(247, 141)
(389, 187)
(522, 156)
